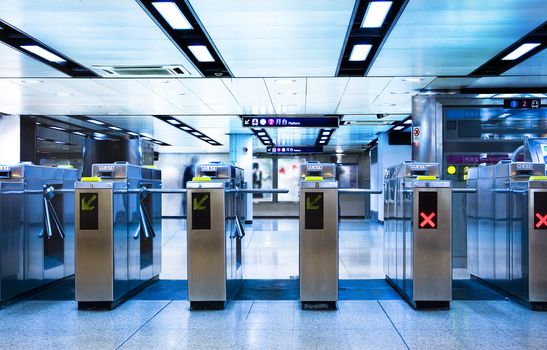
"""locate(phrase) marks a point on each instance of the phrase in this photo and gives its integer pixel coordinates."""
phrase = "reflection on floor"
(146, 322)
(272, 249)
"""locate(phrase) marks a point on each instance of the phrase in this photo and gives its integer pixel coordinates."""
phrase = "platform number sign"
(314, 210)
(89, 211)
(540, 211)
(427, 210)
(201, 210)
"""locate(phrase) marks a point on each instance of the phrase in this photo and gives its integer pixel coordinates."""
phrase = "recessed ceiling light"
(359, 52)
(400, 93)
(173, 121)
(96, 122)
(98, 139)
(41, 138)
(59, 142)
(57, 128)
(407, 122)
(376, 14)
(45, 54)
(147, 138)
(324, 137)
(195, 133)
(172, 14)
(115, 128)
(201, 53)
(132, 133)
(400, 127)
(98, 134)
(261, 133)
(413, 80)
(185, 128)
(485, 95)
(520, 51)
(31, 81)
(78, 133)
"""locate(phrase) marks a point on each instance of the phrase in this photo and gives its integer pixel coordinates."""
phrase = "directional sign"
(201, 211)
(314, 211)
(540, 210)
(427, 210)
(295, 149)
(522, 103)
(89, 211)
(416, 132)
(283, 122)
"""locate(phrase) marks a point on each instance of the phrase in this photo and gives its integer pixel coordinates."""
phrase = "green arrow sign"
(88, 205)
(312, 204)
(200, 205)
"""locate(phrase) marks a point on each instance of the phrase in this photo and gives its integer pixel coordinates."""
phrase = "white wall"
(172, 167)
(10, 131)
(388, 155)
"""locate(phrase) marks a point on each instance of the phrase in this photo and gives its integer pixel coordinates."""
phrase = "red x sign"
(427, 219)
(542, 220)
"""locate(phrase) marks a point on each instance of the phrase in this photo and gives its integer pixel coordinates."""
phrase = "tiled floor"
(371, 324)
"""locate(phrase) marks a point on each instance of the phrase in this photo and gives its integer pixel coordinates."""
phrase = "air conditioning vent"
(148, 71)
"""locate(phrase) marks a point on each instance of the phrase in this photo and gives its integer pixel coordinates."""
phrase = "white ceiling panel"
(265, 38)
(214, 94)
(324, 94)
(16, 64)
(450, 83)
(96, 32)
(251, 94)
(454, 37)
(535, 65)
(288, 95)
(539, 82)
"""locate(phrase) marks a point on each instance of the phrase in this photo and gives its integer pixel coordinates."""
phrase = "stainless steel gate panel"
(319, 247)
(207, 261)
(537, 245)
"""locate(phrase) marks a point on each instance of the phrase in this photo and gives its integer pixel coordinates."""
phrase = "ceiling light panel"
(438, 38)
(172, 14)
(14, 63)
(376, 13)
(92, 33)
(535, 65)
(277, 38)
(520, 51)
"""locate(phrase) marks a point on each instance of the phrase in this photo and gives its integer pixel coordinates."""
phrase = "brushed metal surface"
(207, 258)
(94, 248)
(536, 251)
(318, 249)
(432, 260)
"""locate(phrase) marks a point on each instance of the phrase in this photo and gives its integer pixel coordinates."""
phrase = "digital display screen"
(89, 211)
(281, 122)
(201, 211)
(293, 149)
(314, 211)
(427, 210)
(540, 210)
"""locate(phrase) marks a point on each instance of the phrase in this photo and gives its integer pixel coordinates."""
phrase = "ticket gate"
(418, 234)
(318, 236)
(507, 219)
(215, 233)
(36, 227)
(118, 233)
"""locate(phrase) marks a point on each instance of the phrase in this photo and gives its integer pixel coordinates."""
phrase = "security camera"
(380, 116)
(245, 150)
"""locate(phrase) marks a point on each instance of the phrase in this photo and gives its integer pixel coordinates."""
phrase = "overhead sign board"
(293, 149)
(290, 122)
(522, 103)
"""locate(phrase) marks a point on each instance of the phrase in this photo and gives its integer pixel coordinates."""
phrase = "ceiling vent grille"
(144, 71)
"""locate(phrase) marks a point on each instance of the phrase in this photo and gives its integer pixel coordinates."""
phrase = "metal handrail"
(359, 191)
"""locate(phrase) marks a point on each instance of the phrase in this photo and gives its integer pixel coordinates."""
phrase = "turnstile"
(318, 236)
(215, 233)
(507, 222)
(36, 227)
(118, 233)
(418, 234)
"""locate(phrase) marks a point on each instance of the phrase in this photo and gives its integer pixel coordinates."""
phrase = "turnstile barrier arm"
(464, 190)
(359, 191)
(259, 190)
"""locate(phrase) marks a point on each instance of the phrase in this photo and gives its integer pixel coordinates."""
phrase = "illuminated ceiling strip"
(176, 123)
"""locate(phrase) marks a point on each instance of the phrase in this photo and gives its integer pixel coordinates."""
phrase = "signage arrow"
(200, 205)
(88, 206)
(312, 205)
(246, 122)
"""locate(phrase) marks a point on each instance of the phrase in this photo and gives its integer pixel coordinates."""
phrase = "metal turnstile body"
(36, 231)
(318, 236)
(118, 234)
(215, 233)
(507, 222)
(418, 234)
